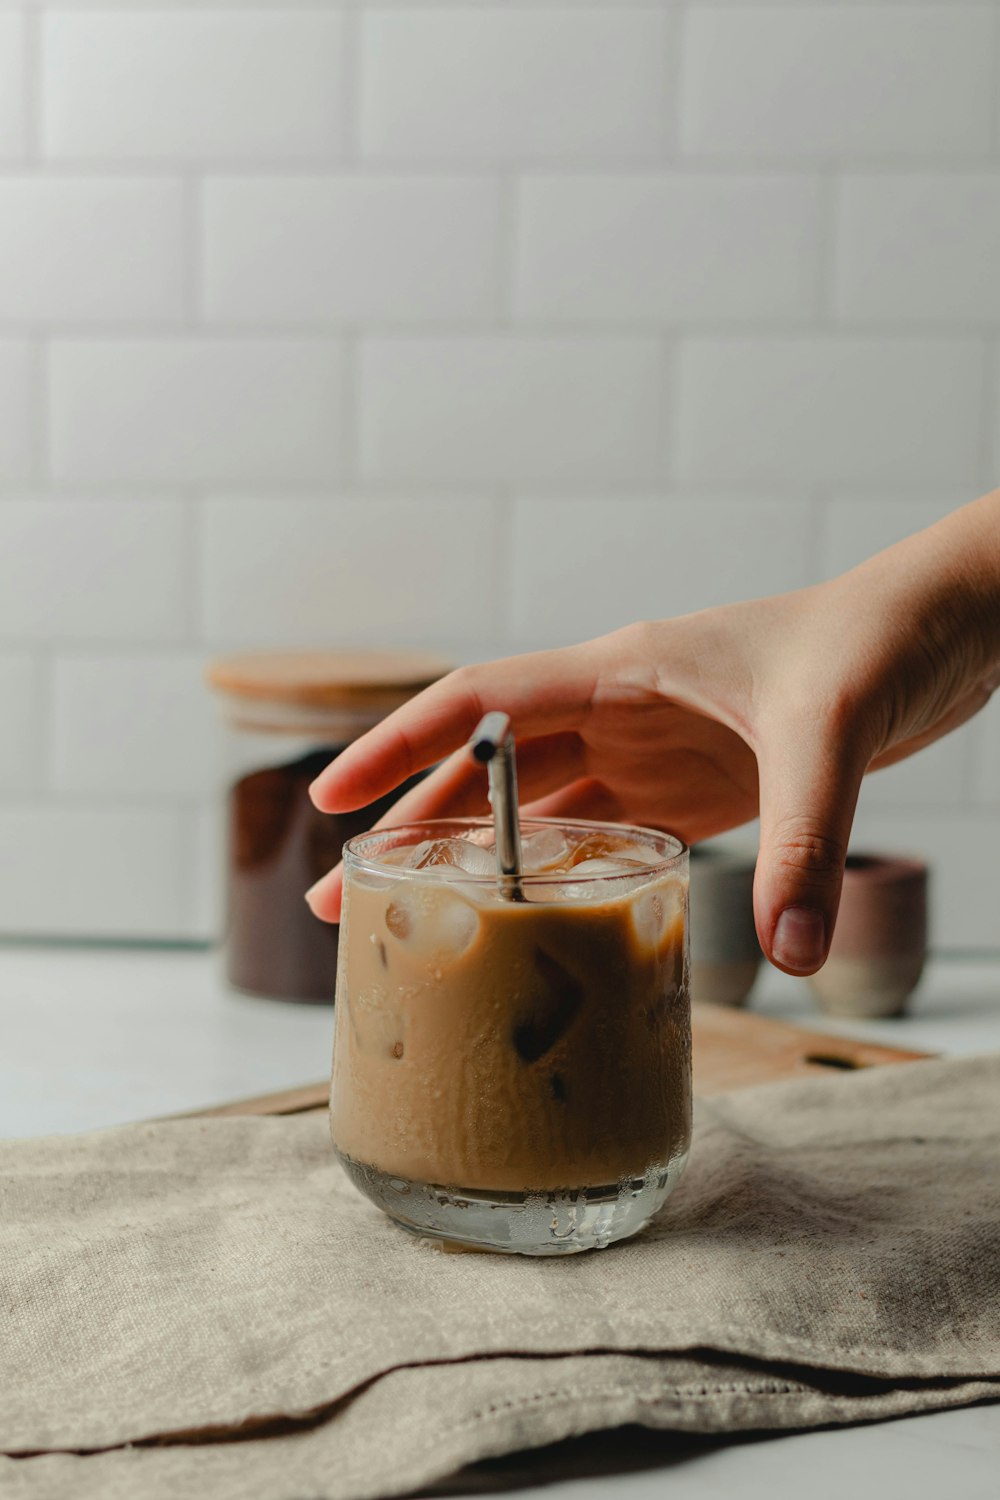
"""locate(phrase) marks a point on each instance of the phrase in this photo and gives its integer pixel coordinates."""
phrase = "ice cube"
(448, 858)
(587, 890)
(433, 921)
(473, 859)
(429, 854)
(655, 911)
(377, 1020)
(399, 918)
(644, 854)
(547, 849)
(554, 1008)
(590, 888)
(599, 846)
(447, 924)
(605, 867)
(566, 890)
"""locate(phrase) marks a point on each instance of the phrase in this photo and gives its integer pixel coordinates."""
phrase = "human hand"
(695, 724)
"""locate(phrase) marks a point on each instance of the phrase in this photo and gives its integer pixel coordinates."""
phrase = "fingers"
(458, 788)
(542, 692)
(325, 897)
(587, 798)
(809, 784)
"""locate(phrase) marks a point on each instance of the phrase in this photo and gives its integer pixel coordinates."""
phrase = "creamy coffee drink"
(528, 1059)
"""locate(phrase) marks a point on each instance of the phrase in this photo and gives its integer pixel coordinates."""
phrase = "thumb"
(808, 793)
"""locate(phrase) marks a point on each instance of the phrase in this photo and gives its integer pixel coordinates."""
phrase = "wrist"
(945, 581)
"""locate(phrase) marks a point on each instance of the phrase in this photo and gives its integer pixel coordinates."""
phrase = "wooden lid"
(326, 679)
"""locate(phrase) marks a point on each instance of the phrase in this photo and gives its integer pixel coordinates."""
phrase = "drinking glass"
(514, 1074)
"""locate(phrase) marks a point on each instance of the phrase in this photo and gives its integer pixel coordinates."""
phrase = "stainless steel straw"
(492, 743)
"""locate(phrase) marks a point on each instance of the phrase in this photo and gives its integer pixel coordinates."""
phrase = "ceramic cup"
(725, 954)
(880, 942)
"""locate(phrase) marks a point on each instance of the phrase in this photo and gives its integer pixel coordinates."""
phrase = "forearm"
(947, 578)
(968, 547)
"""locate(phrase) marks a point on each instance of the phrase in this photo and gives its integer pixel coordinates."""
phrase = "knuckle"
(459, 677)
(809, 853)
(637, 638)
(645, 635)
(463, 686)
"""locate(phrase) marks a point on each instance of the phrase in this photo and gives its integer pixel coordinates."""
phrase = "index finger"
(542, 691)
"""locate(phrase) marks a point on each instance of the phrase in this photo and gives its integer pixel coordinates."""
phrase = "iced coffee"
(514, 1073)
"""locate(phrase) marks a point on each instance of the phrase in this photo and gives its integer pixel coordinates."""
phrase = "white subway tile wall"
(364, 571)
(91, 250)
(482, 326)
(678, 248)
(494, 410)
(486, 83)
(97, 870)
(582, 566)
(244, 84)
(13, 86)
(140, 724)
(20, 403)
(195, 410)
(20, 693)
(986, 766)
(847, 409)
(838, 82)
(955, 221)
(351, 249)
(104, 570)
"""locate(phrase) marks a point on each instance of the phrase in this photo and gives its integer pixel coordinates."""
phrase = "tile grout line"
(193, 551)
(819, 511)
(654, 163)
(351, 411)
(625, 487)
(668, 361)
(41, 668)
(45, 719)
(990, 416)
(796, 329)
(972, 747)
(193, 251)
(828, 182)
(503, 570)
(32, 20)
(109, 648)
(672, 116)
(350, 79)
(508, 225)
(41, 433)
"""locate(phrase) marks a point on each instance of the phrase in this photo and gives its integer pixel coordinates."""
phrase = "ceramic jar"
(287, 715)
(725, 954)
(880, 941)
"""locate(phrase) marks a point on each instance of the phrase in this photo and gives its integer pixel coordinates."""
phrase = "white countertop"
(99, 1036)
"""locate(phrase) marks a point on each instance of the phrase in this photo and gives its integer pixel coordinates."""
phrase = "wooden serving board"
(733, 1049)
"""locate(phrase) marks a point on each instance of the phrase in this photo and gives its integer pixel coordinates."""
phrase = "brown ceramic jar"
(880, 941)
(288, 714)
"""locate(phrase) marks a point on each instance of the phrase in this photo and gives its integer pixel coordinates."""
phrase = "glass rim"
(355, 860)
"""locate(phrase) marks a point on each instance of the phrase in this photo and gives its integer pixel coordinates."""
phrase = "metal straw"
(492, 744)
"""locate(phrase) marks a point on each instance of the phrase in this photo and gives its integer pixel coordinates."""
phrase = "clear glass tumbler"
(514, 1075)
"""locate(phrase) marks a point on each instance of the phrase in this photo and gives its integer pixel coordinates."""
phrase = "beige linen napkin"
(832, 1255)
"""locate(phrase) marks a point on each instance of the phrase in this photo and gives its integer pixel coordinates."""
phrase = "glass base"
(557, 1222)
